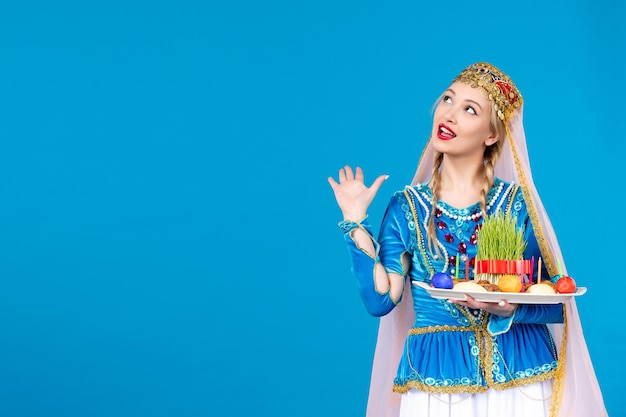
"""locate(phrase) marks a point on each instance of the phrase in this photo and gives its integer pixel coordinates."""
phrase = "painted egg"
(442, 280)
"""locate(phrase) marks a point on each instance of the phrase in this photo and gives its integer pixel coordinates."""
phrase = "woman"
(463, 358)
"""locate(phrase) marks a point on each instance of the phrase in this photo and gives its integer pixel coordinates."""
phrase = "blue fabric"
(363, 263)
(474, 350)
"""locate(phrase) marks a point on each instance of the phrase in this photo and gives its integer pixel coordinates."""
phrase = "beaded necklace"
(421, 195)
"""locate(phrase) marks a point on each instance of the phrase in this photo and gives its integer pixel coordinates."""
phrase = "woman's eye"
(446, 99)
(470, 110)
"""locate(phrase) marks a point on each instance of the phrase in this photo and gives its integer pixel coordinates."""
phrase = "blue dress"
(450, 348)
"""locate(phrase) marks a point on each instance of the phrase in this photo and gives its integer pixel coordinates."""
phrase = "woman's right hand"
(351, 193)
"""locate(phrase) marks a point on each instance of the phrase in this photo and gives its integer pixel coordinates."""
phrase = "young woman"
(464, 358)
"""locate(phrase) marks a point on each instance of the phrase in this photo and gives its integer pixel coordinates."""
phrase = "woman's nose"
(450, 115)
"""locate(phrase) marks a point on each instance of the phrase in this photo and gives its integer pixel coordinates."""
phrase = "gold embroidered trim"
(473, 389)
(557, 388)
(457, 389)
(420, 239)
(376, 246)
(512, 194)
(443, 328)
(500, 88)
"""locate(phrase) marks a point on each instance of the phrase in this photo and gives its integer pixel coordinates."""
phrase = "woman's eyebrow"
(467, 99)
(475, 102)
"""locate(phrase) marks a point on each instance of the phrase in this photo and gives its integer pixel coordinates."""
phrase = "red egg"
(565, 285)
(442, 280)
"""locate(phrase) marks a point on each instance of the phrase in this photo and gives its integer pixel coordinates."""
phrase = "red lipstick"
(445, 133)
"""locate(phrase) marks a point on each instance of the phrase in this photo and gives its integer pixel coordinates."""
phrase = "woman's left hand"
(502, 308)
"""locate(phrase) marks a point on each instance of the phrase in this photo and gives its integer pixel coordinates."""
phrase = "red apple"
(565, 285)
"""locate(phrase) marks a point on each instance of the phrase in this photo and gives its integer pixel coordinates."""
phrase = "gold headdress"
(499, 87)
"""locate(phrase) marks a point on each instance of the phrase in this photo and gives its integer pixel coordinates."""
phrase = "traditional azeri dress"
(432, 347)
(450, 348)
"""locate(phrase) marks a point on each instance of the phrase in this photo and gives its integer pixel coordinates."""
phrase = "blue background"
(168, 236)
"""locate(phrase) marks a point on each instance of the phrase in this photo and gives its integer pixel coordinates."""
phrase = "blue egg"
(442, 280)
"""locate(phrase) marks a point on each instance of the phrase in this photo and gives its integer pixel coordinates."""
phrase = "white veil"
(576, 390)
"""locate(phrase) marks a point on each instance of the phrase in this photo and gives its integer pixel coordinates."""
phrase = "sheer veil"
(576, 390)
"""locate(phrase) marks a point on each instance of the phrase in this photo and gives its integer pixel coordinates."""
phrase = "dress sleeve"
(364, 263)
(394, 236)
(527, 314)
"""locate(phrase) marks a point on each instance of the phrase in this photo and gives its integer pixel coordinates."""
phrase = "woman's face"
(461, 124)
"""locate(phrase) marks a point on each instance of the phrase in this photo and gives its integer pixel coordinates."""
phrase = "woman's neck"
(460, 185)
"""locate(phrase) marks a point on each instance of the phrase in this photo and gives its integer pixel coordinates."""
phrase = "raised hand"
(351, 193)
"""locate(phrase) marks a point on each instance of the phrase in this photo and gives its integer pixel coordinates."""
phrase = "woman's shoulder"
(410, 200)
(506, 195)
(503, 189)
(412, 192)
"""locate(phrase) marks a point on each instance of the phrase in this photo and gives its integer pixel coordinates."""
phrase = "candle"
(466, 268)
(457, 266)
(558, 263)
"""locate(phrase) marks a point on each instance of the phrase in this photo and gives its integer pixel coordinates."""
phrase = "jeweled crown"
(499, 87)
